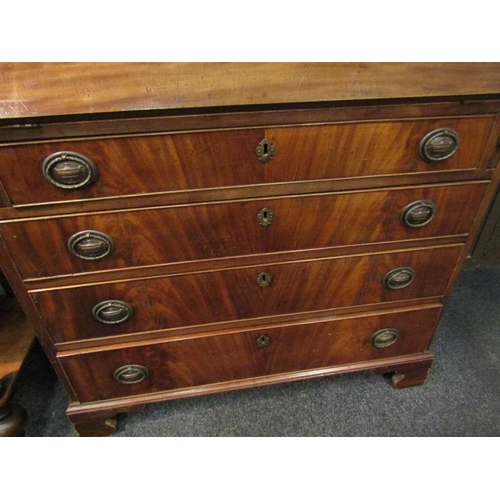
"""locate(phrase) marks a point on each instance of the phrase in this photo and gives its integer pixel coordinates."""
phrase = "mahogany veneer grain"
(179, 189)
(207, 160)
(214, 359)
(229, 295)
(210, 231)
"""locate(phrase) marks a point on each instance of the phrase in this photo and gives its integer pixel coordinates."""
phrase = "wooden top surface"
(53, 89)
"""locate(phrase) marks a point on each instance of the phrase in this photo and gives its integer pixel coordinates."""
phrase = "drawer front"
(217, 230)
(248, 293)
(189, 363)
(366, 149)
(206, 160)
(132, 165)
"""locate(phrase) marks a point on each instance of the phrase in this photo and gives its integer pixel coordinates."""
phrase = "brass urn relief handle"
(384, 338)
(439, 145)
(91, 245)
(418, 214)
(265, 151)
(112, 312)
(131, 374)
(400, 277)
(69, 170)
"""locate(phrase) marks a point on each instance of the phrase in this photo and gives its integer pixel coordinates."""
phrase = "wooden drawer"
(366, 149)
(184, 364)
(206, 160)
(215, 230)
(235, 294)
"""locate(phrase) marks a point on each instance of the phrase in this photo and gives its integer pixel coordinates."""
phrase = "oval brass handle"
(400, 277)
(439, 145)
(69, 170)
(265, 217)
(112, 312)
(264, 280)
(384, 338)
(91, 245)
(265, 150)
(263, 340)
(418, 214)
(131, 374)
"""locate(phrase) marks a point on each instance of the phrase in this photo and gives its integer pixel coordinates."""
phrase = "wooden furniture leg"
(12, 416)
(97, 423)
(408, 374)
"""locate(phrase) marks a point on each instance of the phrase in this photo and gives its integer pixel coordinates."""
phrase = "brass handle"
(263, 340)
(91, 245)
(400, 277)
(265, 150)
(264, 280)
(384, 338)
(418, 213)
(112, 312)
(265, 217)
(69, 170)
(439, 145)
(131, 374)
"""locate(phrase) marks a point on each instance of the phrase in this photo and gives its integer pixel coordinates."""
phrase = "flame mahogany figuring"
(207, 160)
(211, 231)
(178, 191)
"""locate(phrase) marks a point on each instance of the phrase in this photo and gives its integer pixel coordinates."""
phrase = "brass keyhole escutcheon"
(263, 340)
(264, 280)
(265, 150)
(265, 217)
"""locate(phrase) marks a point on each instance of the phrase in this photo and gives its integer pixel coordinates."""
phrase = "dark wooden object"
(16, 338)
(236, 225)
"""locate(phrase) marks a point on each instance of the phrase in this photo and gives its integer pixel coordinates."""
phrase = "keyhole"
(264, 280)
(265, 217)
(265, 150)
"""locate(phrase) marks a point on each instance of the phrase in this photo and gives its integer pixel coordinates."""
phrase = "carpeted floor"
(461, 396)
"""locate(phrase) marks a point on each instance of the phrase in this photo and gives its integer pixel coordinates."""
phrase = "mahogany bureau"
(174, 230)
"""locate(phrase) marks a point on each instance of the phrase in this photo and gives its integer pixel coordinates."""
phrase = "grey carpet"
(461, 396)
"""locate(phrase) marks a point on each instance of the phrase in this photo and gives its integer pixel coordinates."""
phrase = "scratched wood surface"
(183, 218)
(49, 89)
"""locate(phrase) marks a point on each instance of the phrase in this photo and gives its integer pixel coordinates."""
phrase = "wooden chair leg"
(12, 420)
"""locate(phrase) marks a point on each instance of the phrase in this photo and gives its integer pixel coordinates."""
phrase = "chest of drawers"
(241, 238)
